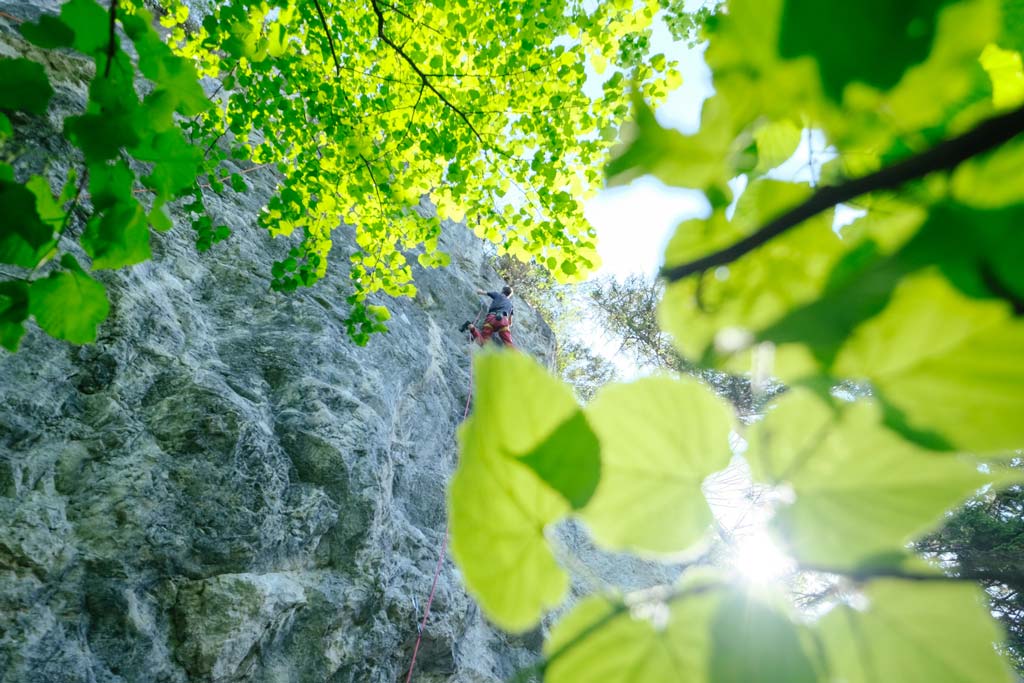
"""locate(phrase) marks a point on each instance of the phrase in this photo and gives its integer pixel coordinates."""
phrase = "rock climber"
(498, 320)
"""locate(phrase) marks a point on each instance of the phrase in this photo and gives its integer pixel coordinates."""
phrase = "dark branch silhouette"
(942, 157)
(423, 77)
(330, 39)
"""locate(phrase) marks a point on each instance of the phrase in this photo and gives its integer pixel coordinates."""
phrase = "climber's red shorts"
(493, 324)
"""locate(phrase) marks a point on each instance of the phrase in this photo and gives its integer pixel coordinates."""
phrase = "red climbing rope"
(444, 543)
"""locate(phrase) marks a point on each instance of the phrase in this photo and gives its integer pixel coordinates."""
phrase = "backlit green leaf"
(498, 506)
(860, 490)
(740, 299)
(660, 438)
(915, 632)
(930, 349)
(776, 142)
(68, 304)
(568, 460)
(697, 161)
(650, 643)
(1007, 73)
(752, 640)
(91, 24)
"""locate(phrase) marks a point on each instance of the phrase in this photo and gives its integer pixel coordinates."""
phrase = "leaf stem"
(943, 156)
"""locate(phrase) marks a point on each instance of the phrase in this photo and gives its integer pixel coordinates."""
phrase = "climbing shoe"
(465, 326)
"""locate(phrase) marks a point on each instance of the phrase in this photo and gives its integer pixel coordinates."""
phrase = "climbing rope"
(444, 543)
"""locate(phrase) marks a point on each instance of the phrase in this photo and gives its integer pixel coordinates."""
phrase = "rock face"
(223, 487)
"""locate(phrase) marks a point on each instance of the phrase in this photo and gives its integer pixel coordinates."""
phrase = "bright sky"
(635, 222)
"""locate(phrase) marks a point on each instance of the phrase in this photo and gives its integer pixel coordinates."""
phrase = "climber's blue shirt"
(499, 303)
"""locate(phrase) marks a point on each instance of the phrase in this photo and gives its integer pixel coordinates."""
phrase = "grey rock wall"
(223, 487)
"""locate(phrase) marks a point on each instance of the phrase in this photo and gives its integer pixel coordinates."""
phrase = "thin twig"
(423, 77)
(943, 156)
(13, 18)
(112, 45)
(412, 18)
(376, 188)
(330, 39)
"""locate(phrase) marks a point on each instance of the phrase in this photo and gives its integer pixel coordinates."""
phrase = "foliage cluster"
(919, 300)
(362, 108)
(129, 146)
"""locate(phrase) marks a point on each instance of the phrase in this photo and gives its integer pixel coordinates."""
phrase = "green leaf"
(660, 438)
(69, 304)
(6, 129)
(650, 643)
(872, 41)
(757, 289)
(110, 184)
(173, 74)
(159, 219)
(929, 349)
(24, 237)
(26, 87)
(238, 183)
(117, 237)
(91, 24)
(380, 313)
(176, 163)
(860, 490)
(1005, 69)
(13, 313)
(754, 641)
(568, 460)
(697, 161)
(101, 136)
(776, 142)
(49, 33)
(993, 180)
(915, 632)
(498, 506)
(49, 209)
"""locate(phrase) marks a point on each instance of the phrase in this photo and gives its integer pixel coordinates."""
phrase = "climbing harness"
(444, 544)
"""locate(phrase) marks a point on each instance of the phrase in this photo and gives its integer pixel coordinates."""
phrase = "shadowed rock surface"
(223, 487)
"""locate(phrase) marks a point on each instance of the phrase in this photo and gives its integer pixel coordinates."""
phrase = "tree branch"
(943, 156)
(112, 45)
(330, 39)
(423, 77)
(1013, 578)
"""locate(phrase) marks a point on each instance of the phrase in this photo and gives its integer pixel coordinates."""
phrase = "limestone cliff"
(223, 487)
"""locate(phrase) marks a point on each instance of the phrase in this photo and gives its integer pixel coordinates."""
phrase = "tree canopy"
(501, 111)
